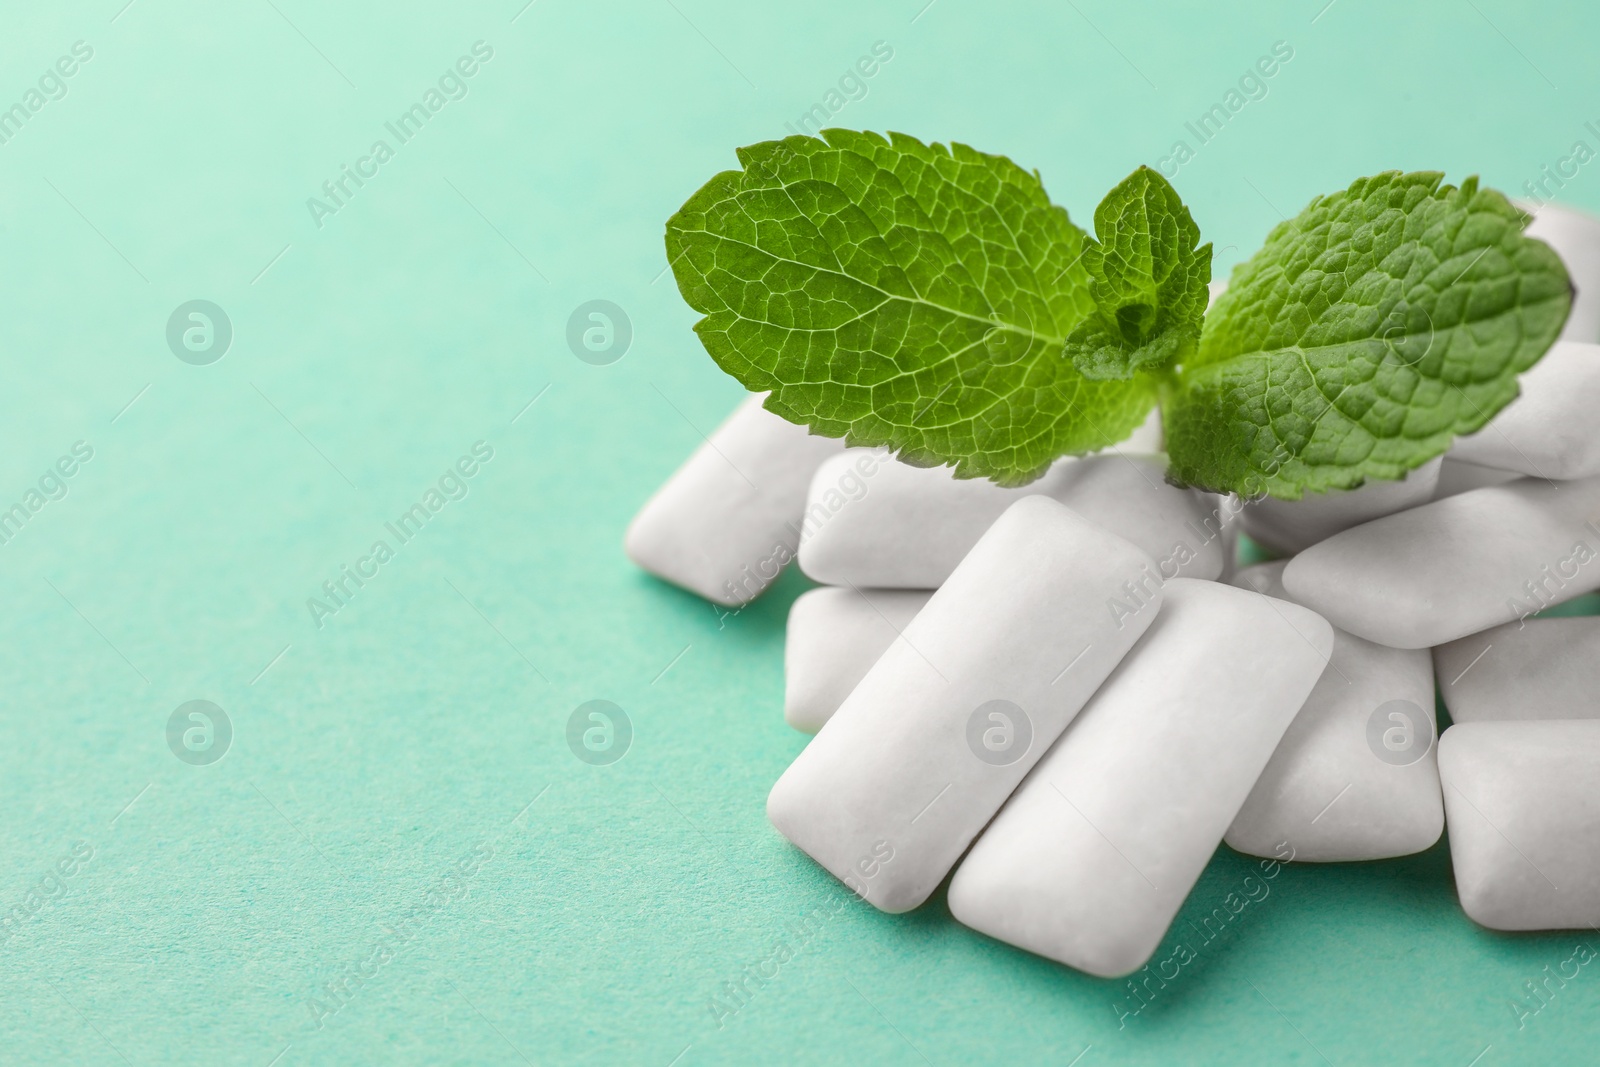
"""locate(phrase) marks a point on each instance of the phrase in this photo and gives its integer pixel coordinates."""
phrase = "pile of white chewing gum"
(1066, 693)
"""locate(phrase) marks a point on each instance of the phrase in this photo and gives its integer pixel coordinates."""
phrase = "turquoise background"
(601, 907)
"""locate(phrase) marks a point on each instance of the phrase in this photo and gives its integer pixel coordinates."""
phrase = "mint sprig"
(1148, 279)
(933, 300)
(1369, 330)
(902, 294)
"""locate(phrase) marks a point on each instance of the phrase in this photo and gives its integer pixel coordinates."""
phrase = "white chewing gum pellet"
(1291, 526)
(907, 527)
(1524, 818)
(1356, 776)
(925, 750)
(1456, 477)
(1224, 513)
(1529, 669)
(1091, 858)
(1441, 571)
(1146, 438)
(1548, 430)
(727, 522)
(1575, 235)
(835, 636)
(900, 527)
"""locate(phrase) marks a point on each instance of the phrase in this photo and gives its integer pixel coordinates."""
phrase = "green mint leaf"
(1102, 356)
(1365, 334)
(1147, 278)
(904, 294)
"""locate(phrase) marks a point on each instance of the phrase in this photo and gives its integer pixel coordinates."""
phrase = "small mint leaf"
(1101, 356)
(1148, 280)
(904, 294)
(1366, 333)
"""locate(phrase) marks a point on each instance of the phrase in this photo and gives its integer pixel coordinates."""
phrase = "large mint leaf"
(1366, 333)
(902, 294)
(1147, 278)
